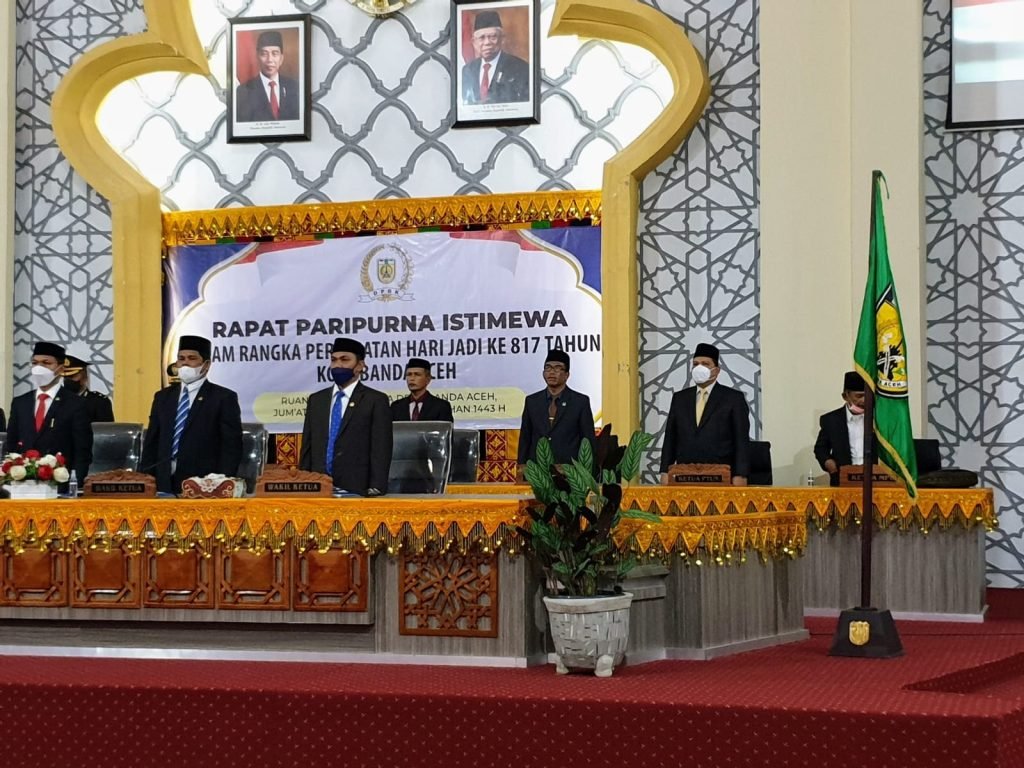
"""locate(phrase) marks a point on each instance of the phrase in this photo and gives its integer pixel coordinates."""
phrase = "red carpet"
(954, 699)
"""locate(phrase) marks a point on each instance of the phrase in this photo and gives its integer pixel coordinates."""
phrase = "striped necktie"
(179, 420)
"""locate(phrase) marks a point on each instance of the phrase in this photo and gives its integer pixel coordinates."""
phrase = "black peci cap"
(486, 20)
(557, 356)
(269, 38)
(195, 344)
(852, 382)
(706, 350)
(51, 349)
(418, 362)
(349, 345)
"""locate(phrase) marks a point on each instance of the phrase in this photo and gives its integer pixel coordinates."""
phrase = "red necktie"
(274, 106)
(485, 84)
(416, 411)
(41, 411)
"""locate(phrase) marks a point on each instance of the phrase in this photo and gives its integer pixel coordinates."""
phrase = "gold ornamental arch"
(172, 44)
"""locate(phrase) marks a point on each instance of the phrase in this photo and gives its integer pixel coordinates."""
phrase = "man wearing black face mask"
(708, 423)
(841, 432)
(51, 419)
(195, 426)
(347, 429)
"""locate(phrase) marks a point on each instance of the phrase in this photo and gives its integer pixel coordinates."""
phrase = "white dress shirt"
(855, 429)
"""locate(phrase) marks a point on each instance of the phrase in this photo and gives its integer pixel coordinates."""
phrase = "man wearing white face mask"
(51, 419)
(708, 423)
(195, 426)
(841, 432)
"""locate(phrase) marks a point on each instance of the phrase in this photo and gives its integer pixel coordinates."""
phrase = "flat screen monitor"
(986, 88)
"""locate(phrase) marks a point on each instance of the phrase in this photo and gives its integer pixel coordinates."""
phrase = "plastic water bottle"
(73, 485)
(810, 477)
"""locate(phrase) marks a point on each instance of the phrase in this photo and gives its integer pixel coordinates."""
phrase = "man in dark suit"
(494, 76)
(51, 419)
(195, 426)
(841, 432)
(268, 96)
(76, 379)
(347, 430)
(419, 404)
(708, 423)
(557, 412)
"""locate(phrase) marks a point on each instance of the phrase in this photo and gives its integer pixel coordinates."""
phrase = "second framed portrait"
(269, 79)
(495, 62)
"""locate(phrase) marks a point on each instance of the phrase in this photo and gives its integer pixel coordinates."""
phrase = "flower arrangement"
(32, 465)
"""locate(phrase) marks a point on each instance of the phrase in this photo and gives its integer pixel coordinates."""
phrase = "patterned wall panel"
(698, 244)
(62, 264)
(382, 118)
(974, 202)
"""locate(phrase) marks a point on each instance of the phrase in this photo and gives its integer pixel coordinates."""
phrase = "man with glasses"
(494, 76)
(557, 412)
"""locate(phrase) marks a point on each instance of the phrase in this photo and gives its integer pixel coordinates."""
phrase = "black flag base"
(866, 633)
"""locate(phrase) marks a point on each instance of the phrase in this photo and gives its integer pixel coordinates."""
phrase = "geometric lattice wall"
(382, 116)
(699, 225)
(974, 206)
(62, 264)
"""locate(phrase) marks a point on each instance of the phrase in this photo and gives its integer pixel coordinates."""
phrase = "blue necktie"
(332, 436)
(179, 420)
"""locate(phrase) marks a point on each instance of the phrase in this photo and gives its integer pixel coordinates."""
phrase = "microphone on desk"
(146, 469)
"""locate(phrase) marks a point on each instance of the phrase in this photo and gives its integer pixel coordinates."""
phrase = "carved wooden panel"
(254, 581)
(34, 577)
(448, 594)
(175, 579)
(101, 579)
(331, 580)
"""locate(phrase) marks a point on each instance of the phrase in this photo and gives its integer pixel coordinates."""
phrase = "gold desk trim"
(823, 506)
(374, 524)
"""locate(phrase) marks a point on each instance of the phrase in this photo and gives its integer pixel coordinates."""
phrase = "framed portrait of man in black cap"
(268, 93)
(495, 62)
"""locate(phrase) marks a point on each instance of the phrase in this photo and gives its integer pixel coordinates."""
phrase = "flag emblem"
(892, 351)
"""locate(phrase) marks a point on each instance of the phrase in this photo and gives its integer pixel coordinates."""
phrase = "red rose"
(20, 461)
(6, 467)
(32, 454)
(44, 472)
(60, 459)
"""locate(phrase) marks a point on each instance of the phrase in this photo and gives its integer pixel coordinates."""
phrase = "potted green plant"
(577, 508)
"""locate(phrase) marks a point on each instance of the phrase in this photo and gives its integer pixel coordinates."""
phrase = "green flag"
(881, 354)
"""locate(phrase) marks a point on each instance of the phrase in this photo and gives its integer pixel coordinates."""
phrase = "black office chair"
(254, 454)
(930, 473)
(928, 457)
(421, 457)
(465, 455)
(115, 445)
(760, 463)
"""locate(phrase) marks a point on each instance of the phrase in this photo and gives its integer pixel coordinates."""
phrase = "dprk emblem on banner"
(386, 274)
(892, 349)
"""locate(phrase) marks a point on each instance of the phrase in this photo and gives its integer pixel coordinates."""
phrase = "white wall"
(841, 96)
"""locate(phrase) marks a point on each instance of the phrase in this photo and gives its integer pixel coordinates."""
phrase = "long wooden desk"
(412, 576)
